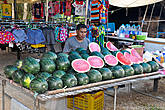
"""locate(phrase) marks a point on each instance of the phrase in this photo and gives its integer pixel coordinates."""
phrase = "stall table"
(52, 100)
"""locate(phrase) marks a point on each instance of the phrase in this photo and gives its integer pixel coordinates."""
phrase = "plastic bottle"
(139, 30)
(133, 29)
(122, 31)
(127, 30)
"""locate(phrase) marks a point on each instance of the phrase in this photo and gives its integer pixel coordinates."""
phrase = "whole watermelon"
(54, 83)
(62, 63)
(9, 70)
(44, 75)
(18, 63)
(59, 73)
(31, 65)
(94, 76)
(18, 75)
(69, 80)
(47, 65)
(82, 78)
(50, 55)
(39, 85)
(26, 79)
(117, 71)
(106, 73)
(154, 66)
(129, 71)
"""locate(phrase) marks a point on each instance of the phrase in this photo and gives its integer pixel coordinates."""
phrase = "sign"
(6, 11)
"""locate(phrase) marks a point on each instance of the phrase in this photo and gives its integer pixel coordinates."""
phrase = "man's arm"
(66, 47)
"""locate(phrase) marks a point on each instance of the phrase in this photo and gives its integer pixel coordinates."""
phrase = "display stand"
(50, 100)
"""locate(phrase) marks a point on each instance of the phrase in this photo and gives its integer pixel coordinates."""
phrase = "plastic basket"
(86, 101)
(141, 37)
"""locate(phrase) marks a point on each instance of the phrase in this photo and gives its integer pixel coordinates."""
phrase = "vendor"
(80, 40)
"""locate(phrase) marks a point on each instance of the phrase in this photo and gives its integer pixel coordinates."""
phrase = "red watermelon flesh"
(95, 62)
(94, 47)
(136, 54)
(122, 59)
(132, 58)
(111, 60)
(110, 46)
(80, 65)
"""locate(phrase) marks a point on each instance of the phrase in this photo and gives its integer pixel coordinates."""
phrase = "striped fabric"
(95, 11)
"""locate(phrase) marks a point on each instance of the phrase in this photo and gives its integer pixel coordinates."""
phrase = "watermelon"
(146, 67)
(73, 52)
(114, 53)
(63, 54)
(54, 83)
(106, 73)
(69, 80)
(62, 63)
(17, 75)
(122, 59)
(125, 51)
(50, 55)
(79, 49)
(73, 57)
(72, 71)
(129, 71)
(138, 69)
(117, 71)
(95, 62)
(44, 75)
(133, 59)
(154, 66)
(83, 52)
(18, 63)
(9, 70)
(103, 49)
(26, 79)
(47, 65)
(110, 46)
(31, 65)
(106, 53)
(58, 73)
(81, 65)
(93, 46)
(96, 53)
(84, 56)
(111, 60)
(136, 54)
(39, 85)
(82, 78)
(94, 76)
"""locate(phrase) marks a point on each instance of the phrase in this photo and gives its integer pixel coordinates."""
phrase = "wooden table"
(51, 99)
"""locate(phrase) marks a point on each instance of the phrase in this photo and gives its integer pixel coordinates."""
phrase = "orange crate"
(86, 101)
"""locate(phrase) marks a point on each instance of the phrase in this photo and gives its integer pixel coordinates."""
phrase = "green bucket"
(141, 37)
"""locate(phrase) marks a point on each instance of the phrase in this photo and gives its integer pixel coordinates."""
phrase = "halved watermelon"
(95, 62)
(110, 46)
(122, 59)
(136, 54)
(93, 46)
(111, 60)
(81, 65)
(133, 59)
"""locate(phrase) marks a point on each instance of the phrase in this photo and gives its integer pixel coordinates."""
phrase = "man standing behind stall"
(77, 41)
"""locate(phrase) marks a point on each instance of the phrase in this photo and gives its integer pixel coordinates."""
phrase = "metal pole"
(114, 108)
(86, 12)
(15, 11)
(3, 94)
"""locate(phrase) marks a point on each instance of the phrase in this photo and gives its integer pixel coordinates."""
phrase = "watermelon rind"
(109, 48)
(105, 59)
(80, 66)
(96, 63)
(94, 49)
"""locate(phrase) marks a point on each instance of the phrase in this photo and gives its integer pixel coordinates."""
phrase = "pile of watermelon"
(78, 67)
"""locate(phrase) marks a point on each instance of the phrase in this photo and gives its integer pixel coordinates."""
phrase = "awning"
(132, 3)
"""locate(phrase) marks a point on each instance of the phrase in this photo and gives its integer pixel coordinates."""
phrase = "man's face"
(81, 34)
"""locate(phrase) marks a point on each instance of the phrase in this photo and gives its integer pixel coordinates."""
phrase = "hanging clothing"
(68, 8)
(19, 35)
(79, 7)
(49, 35)
(37, 10)
(95, 11)
(35, 36)
(6, 37)
(51, 9)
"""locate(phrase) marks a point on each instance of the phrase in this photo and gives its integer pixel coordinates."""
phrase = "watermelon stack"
(79, 67)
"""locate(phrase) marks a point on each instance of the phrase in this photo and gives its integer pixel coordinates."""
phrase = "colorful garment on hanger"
(51, 9)
(57, 7)
(95, 11)
(95, 32)
(79, 7)
(68, 8)
(37, 10)
(6, 37)
(19, 35)
(63, 34)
